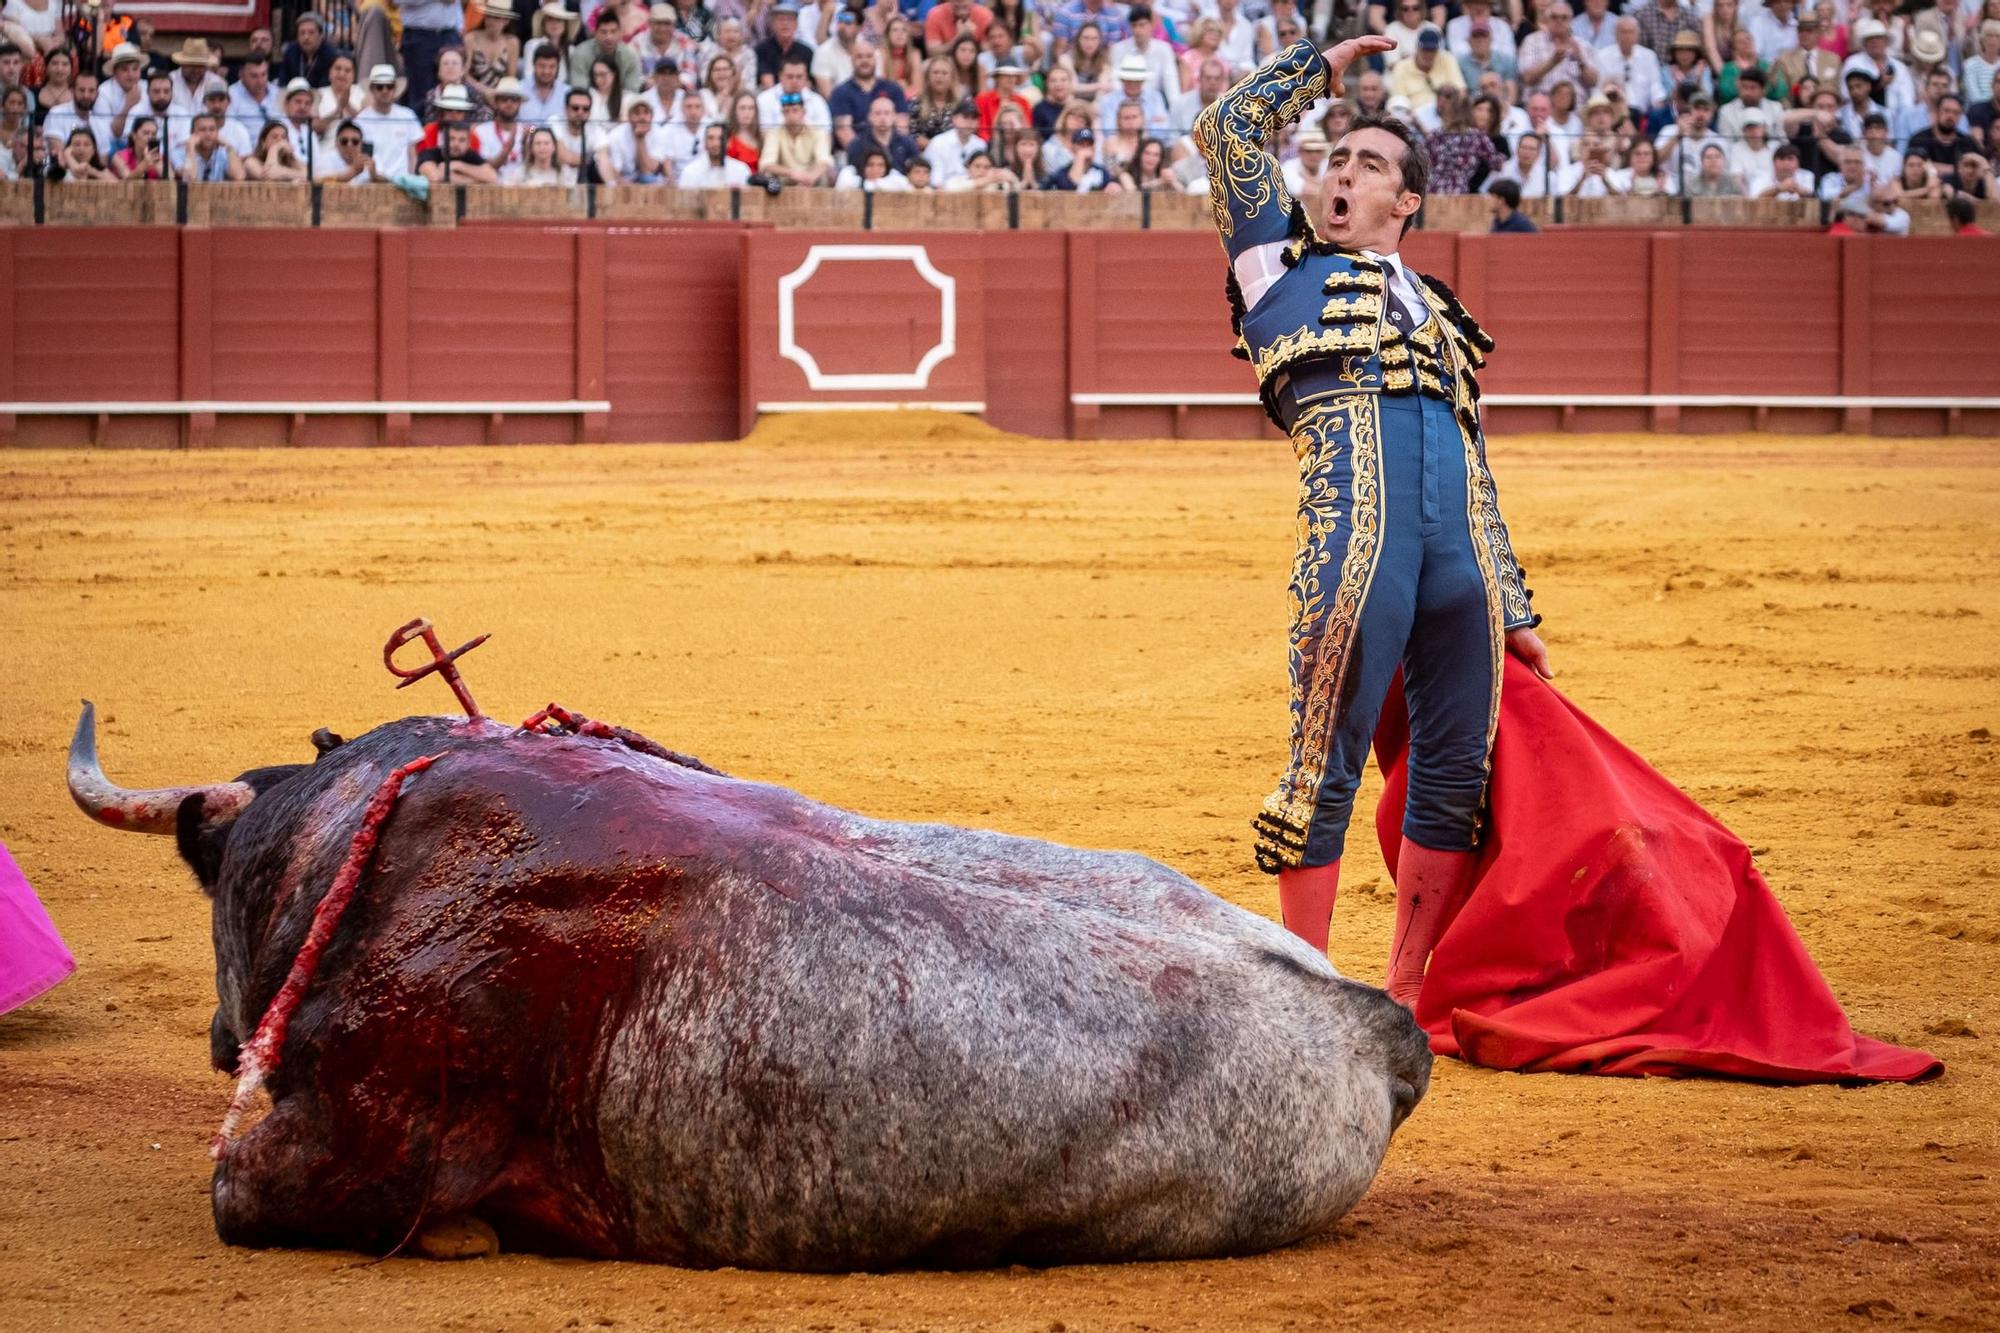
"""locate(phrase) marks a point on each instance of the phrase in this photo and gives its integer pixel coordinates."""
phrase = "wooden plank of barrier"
(1856, 289)
(1084, 419)
(1463, 212)
(9, 378)
(197, 330)
(590, 332)
(17, 203)
(253, 204)
(392, 330)
(1663, 359)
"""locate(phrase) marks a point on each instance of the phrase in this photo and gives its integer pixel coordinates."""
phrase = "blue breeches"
(1395, 569)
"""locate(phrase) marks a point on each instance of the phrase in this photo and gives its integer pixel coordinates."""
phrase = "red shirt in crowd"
(989, 108)
(1972, 229)
(941, 25)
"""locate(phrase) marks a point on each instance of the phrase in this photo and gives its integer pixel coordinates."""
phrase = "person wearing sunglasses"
(353, 162)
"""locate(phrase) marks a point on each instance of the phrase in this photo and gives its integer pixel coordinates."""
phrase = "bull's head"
(198, 818)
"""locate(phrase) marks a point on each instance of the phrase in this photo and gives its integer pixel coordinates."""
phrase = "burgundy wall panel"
(492, 315)
(1568, 312)
(1027, 332)
(1148, 313)
(1934, 320)
(292, 314)
(1759, 313)
(96, 313)
(670, 350)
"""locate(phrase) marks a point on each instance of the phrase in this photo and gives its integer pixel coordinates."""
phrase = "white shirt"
(180, 128)
(1163, 76)
(1800, 188)
(64, 119)
(1638, 73)
(1458, 36)
(192, 99)
(700, 174)
(486, 142)
(623, 146)
(770, 115)
(1298, 183)
(392, 132)
(1883, 167)
(831, 64)
(947, 154)
(683, 144)
(893, 183)
(1259, 268)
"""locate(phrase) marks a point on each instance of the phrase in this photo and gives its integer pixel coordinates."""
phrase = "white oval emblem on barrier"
(915, 257)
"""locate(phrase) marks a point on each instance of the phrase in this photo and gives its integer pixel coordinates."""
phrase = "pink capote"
(1615, 926)
(32, 956)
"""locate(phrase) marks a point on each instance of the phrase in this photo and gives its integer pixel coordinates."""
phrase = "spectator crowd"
(1862, 104)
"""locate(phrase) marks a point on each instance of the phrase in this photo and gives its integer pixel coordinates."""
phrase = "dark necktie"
(1400, 314)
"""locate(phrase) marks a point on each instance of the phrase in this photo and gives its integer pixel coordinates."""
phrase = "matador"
(1403, 561)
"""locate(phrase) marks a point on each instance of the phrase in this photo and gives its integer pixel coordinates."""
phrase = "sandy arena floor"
(921, 619)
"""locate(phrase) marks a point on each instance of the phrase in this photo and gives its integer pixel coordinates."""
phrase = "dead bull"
(618, 1004)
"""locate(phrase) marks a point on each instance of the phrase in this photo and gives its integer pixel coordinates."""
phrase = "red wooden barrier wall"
(676, 328)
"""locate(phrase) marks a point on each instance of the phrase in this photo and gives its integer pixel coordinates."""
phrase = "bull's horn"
(139, 811)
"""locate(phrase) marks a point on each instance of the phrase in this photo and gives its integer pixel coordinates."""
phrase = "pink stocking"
(1305, 901)
(1429, 885)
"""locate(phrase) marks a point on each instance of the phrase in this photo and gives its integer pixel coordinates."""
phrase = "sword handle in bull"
(441, 661)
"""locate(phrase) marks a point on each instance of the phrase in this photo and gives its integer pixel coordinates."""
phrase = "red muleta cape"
(1615, 927)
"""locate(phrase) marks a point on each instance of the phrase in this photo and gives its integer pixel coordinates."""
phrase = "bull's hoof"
(463, 1237)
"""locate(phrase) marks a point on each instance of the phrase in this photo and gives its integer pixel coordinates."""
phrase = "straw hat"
(194, 51)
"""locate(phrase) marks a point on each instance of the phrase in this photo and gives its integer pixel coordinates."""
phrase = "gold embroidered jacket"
(1328, 309)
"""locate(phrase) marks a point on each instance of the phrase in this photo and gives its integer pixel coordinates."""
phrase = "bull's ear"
(201, 843)
(326, 742)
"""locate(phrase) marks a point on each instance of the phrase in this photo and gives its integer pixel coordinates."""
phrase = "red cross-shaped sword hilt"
(441, 661)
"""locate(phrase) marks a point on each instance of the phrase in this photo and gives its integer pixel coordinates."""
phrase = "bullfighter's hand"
(1527, 645)
(1340, 57)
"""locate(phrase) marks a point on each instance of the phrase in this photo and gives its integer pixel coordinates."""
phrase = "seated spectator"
(873, 174)
(1906, 122)
(1306, 173)
(1118, 147)
(714, 168)
(635, 153)
(781, 45)
(852, 103)
(746, 130)
(298, 100)
(608, 43)
(1133, 87)
(207, 160)
(1850, 184)
(1807, 60)
(1884, 163)
(343, 98)
(1976, 179)
(683, 134)
(665, 92)
(795, 152)
(123, 95)
(180, 126)
(792, 81)
(1858, 218)
(1980, 75)
(1082, 174)
(542, 96)
(1595, 174)
(75, 114)
(454, 161)
(1961, 213)
(919, 175)
(1554, 55)
(1750, 96)
(79, 159)
(1751, 159)
(1942, 145)
(1712, 179)
(1458, 33)
(1006, 91)
(1860, 103)
(947, 152)
(1742, 65)
(1982, 117)
(1485, 58)
(390, 126)
(1428, 69)
(1643, 176)
(307, 56)
(1462, 155)
(350, 163)
(141, 158)
(252, 98)
(1204, 45)
(1786, 181)
(880, 133)
(1504, 195)
(492, 48)
(272, 158)
(1682, 143)
(981, 175)
(1685, 64)
(1631, 64)
(1147, 48)
(1147, 170)
(1819, 138)
(1211, 81)
(501, 140)
(1024, 159)
(538, 163)
(1917, 180)
(1531, 169)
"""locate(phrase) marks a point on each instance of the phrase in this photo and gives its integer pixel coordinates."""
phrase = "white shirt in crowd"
(622, 145)
(63, 119)
(1162, 73)
(392, 132)
(701, 174)
(1458, 36)
(486, 142)
(180, 128)
(1883, 167)
(893, 183)
(1638, 73)
(770, 115)
(683, 146)
(947, 154)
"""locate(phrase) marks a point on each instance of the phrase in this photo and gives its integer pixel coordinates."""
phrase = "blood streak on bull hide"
(616, 1003)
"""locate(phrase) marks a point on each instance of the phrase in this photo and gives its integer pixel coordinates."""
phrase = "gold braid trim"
(1324, 618)
(1308, 341)
(1231, 132)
